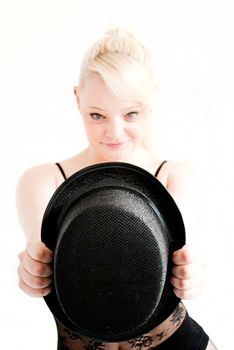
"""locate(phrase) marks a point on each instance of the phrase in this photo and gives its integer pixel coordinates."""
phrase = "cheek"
(138, 131)
(92, 131)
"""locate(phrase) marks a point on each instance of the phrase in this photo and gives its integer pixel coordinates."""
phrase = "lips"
(114, 145)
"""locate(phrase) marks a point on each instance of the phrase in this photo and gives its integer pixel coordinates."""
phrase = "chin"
(113, 156)
(115, 159)
(121, 157)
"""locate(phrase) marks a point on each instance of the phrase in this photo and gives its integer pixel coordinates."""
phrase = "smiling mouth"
(114, 145)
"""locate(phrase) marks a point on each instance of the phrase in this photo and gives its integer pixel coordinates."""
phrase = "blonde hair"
(124, 64)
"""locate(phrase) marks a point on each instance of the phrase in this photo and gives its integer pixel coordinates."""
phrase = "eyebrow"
(93, 107)
(124, 109)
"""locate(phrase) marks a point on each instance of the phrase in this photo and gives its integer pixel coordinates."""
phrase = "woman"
(116, 99)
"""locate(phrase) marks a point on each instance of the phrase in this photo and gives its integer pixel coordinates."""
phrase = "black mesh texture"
(158, 217)
(109, 271)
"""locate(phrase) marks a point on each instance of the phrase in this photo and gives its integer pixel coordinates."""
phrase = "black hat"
(113, 228)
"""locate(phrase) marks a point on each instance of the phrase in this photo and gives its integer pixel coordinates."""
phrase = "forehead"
(95, 93)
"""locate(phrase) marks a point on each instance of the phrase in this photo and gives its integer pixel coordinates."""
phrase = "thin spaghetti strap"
(159, 168)
(61, 170)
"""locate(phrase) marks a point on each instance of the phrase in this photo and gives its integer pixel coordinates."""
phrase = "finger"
(38, 251)
(188, 271)
(187, 285)
(32, 291)
(32, 281)
(36, 268)
(187, 294)
(183, 256)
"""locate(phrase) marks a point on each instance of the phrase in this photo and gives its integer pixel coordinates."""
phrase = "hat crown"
(114, 229)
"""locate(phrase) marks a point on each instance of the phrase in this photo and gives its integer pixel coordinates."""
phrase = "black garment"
(189, 336)
(159, 168)
(61, 170)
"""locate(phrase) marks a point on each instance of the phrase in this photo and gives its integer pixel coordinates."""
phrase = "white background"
(41, 45)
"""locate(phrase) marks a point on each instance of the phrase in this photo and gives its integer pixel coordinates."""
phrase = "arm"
(186, 184)
(34, 189)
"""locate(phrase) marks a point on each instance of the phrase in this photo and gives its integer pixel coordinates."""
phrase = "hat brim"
(112, 176)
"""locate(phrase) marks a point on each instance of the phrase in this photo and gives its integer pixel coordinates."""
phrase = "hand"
(34, 269)
(188, 273)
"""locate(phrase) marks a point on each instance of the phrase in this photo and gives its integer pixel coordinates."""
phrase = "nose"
(115, 129)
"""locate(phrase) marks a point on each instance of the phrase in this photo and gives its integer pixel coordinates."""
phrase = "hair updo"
(124, 64)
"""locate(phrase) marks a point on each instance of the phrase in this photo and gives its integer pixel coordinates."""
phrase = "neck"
(141, 157)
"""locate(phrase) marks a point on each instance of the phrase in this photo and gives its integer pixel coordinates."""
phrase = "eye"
(132, 115)
(96, 116)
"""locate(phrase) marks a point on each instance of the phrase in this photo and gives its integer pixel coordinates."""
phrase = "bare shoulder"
(182, 173)
(184, 180)
(176, 168)
(187, 184)
(36, 177)
(33, 192)
(175, 173)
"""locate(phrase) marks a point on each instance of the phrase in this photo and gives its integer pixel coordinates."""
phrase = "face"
(115, 128)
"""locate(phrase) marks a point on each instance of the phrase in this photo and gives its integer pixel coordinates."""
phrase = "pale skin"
(115, 130)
